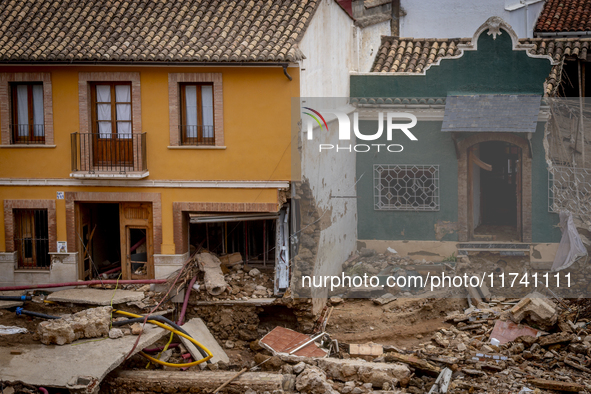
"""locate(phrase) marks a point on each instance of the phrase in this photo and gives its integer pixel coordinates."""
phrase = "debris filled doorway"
(495, 192)
(253, 236)
(115, 238)
(98, 238)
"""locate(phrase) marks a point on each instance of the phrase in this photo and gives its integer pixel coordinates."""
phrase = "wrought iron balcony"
(106, 153)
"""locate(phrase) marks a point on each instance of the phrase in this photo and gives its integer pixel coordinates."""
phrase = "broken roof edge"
(370, 20)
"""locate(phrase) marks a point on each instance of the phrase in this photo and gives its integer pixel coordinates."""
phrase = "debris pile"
(89, 323)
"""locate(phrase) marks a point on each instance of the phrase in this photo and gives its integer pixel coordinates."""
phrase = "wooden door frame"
(465, 180)
(124, 225)
(79, 242)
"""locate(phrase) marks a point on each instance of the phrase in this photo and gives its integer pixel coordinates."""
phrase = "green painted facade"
(493, 69)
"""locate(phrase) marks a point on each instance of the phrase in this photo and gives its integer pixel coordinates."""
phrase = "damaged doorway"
(253, 236)
(495, 191)
(115, 238)
(261, 239)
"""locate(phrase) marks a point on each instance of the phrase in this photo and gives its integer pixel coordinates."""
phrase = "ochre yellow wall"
(168, 196)
(257, 112)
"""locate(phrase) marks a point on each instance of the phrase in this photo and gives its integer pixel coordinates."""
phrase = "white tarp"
(571, 246)
(8, 330)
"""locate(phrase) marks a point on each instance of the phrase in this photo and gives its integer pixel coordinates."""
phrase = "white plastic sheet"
(8, 330)
(571, 246)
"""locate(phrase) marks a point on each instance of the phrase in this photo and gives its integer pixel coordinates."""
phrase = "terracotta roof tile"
(152, 30)
(565, 15)
(414, 55)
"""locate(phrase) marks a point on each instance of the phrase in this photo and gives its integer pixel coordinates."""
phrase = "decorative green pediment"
(493, 63)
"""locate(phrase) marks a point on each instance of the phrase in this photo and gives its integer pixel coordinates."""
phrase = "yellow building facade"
(115, 163)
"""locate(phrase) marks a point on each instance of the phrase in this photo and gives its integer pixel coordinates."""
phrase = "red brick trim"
(10, 205)
(526, 186)
(173, 103)
(73, 197)
(180, 219)
(5, 107)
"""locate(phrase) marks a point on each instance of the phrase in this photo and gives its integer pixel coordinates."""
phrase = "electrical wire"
(155, 360)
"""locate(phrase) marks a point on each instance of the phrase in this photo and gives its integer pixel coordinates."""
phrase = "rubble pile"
(89, 323)
(233, 326)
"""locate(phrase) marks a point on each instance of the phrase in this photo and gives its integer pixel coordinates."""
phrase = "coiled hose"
(154, 320)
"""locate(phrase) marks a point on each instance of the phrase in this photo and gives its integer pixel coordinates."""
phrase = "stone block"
(90, 323)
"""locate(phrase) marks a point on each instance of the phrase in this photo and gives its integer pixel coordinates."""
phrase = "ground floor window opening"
(255, 240)
(31, 238)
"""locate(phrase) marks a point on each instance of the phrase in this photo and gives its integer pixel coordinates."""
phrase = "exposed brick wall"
(98, 197)
(174, 100)
(526, 186)
(5, 101)
(10, 205)
(180, 212)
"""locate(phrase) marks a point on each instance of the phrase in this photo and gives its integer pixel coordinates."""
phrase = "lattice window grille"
(406, 187)
(569, 189)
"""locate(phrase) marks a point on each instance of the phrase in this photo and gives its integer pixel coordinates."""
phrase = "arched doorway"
(494, 188)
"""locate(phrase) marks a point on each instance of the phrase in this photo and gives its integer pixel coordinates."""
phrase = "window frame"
(379, 180)
(93, 110)
(39, 255)
(175, 80)
(6, 113)
(30, 138)
(199, 140)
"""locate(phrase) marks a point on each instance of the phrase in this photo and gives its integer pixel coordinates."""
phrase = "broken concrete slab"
(96, 296)
(81, 365)
(368, 372)
(384, 299)
(536, 309)
(11, 304)
(199, 331)
(198, 382)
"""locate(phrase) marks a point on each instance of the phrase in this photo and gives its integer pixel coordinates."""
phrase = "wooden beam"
(202, 381)
(556, 385)
(479, 163)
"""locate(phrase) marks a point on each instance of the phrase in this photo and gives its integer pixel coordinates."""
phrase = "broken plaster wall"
(328, 207)
(369, 43)
(63, 268)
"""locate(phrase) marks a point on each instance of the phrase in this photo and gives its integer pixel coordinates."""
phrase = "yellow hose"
(209, 355)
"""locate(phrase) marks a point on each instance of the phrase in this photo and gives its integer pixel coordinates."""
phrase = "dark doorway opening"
(254, 239)
(99, 239)
(496, 191)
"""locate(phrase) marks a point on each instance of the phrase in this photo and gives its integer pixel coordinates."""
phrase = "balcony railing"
(197, 135)
(111, 153)
(27, 134)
